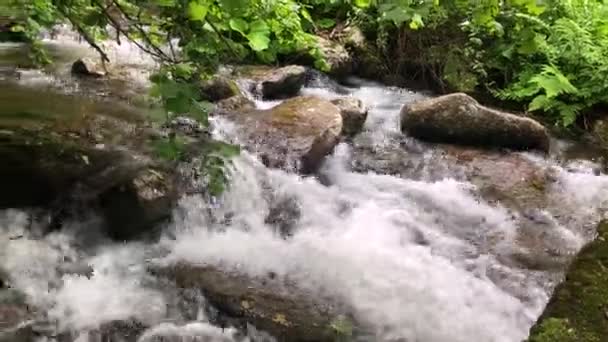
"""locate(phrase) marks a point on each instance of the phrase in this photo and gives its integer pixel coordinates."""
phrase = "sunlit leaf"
(363, 3)
(258, 36)
(239, 25)
(197, 11)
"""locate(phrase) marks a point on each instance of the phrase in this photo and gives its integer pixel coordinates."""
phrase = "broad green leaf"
(179, 104)
(197, 11)
(326, 23)
(234, 6)
(259, 36)
(239, 25)
(363, 3)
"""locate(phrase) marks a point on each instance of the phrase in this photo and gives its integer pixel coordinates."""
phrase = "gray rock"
(219, 88)
(353, 114)
(132, 207)
(281, 83)
(187, 126)
(458, 118)
(235, 104)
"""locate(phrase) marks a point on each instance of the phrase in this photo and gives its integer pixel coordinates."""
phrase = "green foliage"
(208, 33)
(551, 55)
(170, 149)
(214, 164)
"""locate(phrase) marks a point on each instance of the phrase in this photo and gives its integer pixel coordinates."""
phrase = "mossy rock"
(270, 303)
(580, 302)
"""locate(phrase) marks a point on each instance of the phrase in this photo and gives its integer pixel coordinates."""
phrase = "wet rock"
(219, 88)
(144, 200)
(235, 104)
(579, 304)
(510, 178)
(269, 304)
(14, 312)
(75, 268)
(296, 134)
(458, 118)
(187, 126)
(600, 132)
(353, 114)
(89, 68)
(278, 83)
(284, 214)
(97, 163)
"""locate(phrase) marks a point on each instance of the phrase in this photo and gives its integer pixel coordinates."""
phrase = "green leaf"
(541, 102)
(326, 23)
(553, 82)
(416, 22)
(239, 25)
(234, 6)
(179, 104)
(183, 70)
(197, 11)
(363, 3)
(259, 36)
(165, 3)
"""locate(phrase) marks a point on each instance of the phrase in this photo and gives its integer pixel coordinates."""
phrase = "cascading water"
(424, 259)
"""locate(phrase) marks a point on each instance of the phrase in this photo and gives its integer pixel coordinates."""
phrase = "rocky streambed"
(358, 212)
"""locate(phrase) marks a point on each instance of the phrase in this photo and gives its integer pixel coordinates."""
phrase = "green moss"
(342, 328)
(553, 330)
(581, 301)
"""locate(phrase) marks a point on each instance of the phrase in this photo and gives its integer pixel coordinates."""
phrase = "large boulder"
(353, 112)
(269, 303)
(458, 118)
(578, 309)
(296, 135)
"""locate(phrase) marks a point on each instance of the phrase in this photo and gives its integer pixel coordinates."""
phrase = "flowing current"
(420, 259)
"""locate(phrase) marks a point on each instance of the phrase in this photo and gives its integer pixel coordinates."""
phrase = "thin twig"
(118, 28)
(143, 33)
(222, 38)
(85, 35)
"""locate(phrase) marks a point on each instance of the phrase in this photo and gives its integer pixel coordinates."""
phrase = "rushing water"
(417, 259)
